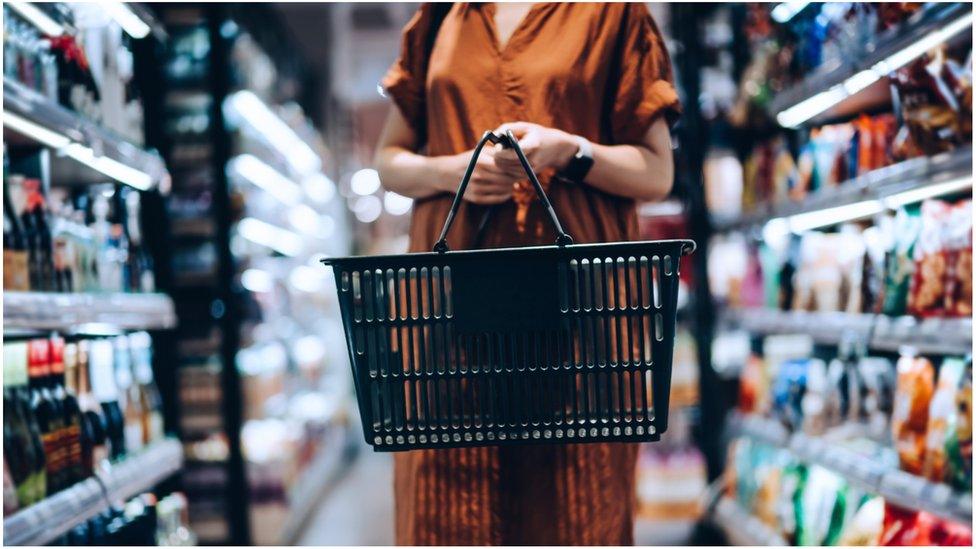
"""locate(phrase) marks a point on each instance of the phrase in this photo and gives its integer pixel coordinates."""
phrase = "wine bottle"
(20, 450)
(46, 412)
(71, 437)
(16, 275)
(129, 398)
(94, 420)
(107, 394)
(151, 403)
(39, 245)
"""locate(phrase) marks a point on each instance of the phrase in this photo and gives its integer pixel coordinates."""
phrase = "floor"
(358, 510)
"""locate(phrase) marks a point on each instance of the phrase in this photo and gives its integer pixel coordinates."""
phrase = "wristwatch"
(581, 162)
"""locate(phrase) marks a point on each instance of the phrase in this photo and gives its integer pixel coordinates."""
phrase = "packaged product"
(927, 290)
(865, 527)
(905, 526)
(872, 269)
(909, 419)
(822, 504)
(946, 533)
(848, 247)
(959, 260)
(818, 407)
(878, 377)
(792, 483)
(959, 448)
(789, 387)
(768, 480)
(899, 260)
(752, 383)
(942, 419)
(806, 174)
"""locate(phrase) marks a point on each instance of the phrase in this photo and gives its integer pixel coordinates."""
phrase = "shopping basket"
(548, 344)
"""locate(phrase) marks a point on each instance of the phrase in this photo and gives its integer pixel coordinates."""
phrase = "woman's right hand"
(489, 184)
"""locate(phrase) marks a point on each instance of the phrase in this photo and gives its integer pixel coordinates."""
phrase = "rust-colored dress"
(596, 70)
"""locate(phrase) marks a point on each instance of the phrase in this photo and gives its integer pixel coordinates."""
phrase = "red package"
(947, 533)
(909, 418)
(905, 527)
(926, 296)
(959, 260)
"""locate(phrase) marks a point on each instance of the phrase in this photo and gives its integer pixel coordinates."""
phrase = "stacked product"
(73, 406)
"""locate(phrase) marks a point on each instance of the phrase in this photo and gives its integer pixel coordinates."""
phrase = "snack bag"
(959, 447)
(822, 505)
(942, 419)
(927, 293)
(878, 377)
(909, 419)
(899, 260)
(959, 262)
(789, 389)
(865, 527)
(905, 527)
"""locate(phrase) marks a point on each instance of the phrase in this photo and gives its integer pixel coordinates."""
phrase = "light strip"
(127, 19)
(268, 235)
(787, 10)
(813, 106)
(833, 216)
(103, 164)
(928, 191)
(38, 18)
(263, 176)
(30, 129)
(245, 107)
(257, 281)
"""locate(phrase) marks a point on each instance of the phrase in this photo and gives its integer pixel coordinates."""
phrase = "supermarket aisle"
(359, 511)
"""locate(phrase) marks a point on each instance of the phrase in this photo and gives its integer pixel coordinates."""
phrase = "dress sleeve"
(645, 87)
(405, 81)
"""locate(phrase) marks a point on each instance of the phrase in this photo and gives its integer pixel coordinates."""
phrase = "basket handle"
(507, 140)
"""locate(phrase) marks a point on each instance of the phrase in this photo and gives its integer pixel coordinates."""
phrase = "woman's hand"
(489, 183)
(543, 147)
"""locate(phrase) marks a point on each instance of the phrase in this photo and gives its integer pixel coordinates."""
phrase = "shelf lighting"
(928, 191)
(265, 234)
(365, 182)
(38, 18)
(319, 187)
(257, 280)
(266, 178)
(85, 155)
(787, 10)
(127, 19)
(243, 107)
(821, 102)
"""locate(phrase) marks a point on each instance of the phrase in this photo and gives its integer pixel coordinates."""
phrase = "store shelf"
(741, 527)
(916, 173)
(861, 469)
(44, 522)
(77, 312)
(52, 125)
(934, 336)
(826, 79)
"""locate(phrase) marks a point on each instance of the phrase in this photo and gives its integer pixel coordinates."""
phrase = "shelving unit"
(910, 175)
(940, 336)
(31, 118)
(858, 468)
(45, 521)
(836, 80)
(76, 312)
(741, 527)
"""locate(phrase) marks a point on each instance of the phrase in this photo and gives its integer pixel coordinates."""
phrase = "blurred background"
(175, 370)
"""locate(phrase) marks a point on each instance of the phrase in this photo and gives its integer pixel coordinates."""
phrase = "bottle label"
(16, 274)
(72, 449)
(53, 454)
(133, 437)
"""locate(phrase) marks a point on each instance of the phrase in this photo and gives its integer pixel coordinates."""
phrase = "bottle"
(107, 265)
(34, 218)
(9, 491)
(129, 398)
(71, 437)
(107, 394)
(151, 403)
(46, 412)
(20, 449)
(119, 242)
(140, 262)
(16, 275)
(97, 454)
(62, 248)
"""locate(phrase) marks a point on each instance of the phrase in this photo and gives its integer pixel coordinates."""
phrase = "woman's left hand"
(543, 147)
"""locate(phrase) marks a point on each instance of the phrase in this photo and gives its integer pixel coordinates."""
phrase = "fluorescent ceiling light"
(833, 216)
(263, 176)
(787, 10)
(813, 106)
(928, 191)
(34, 131)
(280, 240)
(38, 18)
(365, 182)
(257, 281)
(127, 19)
(245, 108)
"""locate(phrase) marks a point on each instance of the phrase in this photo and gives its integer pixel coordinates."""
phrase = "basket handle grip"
(507, 140)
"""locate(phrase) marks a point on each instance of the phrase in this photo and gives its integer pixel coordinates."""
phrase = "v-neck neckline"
(516, 32)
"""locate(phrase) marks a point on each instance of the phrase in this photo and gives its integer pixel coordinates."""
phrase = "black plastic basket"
(564, 343)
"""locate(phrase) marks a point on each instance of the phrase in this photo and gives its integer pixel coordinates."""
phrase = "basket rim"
(687, 247)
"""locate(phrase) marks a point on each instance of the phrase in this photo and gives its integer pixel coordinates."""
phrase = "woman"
(587, 89)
